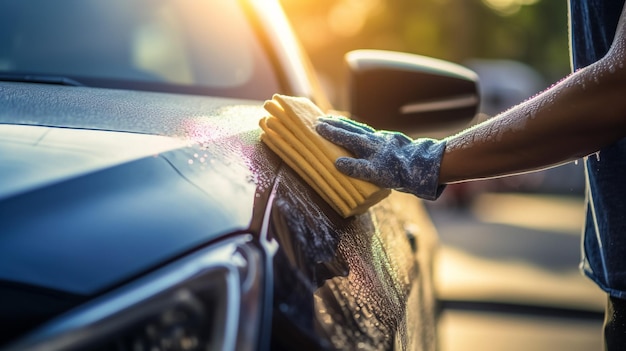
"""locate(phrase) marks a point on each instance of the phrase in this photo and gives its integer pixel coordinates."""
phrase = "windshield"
(188, 46)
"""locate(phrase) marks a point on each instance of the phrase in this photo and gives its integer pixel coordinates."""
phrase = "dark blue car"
(140, 211)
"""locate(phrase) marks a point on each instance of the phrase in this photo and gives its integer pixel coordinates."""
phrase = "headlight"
(210, 300)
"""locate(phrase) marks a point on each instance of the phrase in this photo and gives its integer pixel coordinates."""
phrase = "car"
(139, 209)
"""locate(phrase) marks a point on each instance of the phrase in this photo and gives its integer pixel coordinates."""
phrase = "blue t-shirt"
(592, 28)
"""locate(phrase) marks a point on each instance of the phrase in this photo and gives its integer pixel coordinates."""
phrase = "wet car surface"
(369, 287)
(337, 281)
(141, 213)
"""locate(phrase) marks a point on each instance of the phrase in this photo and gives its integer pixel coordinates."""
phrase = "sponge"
(289, 131)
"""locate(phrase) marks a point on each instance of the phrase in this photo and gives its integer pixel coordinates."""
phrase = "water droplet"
(190, 162)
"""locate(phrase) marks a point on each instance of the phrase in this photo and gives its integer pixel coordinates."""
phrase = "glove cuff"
(423, 178)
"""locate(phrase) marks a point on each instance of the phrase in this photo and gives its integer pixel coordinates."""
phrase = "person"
(581, 116)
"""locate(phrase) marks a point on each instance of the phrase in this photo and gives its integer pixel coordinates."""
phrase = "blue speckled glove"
(387, 159)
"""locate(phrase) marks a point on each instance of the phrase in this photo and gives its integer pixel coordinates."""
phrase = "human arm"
(576, 117)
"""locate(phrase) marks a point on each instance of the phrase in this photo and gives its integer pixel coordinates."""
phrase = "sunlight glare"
(347, 17)
(508, 7)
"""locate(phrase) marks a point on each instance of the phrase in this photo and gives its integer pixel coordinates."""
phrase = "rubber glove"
(384, 158)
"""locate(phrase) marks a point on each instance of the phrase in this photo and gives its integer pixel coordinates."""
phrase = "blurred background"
(507, 273)
(532, 32)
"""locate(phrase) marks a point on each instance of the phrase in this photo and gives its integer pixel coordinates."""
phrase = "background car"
(140, 211)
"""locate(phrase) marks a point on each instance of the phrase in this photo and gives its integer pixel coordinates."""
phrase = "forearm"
(572, 119)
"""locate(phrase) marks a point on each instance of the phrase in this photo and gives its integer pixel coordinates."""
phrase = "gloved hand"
(387, 159)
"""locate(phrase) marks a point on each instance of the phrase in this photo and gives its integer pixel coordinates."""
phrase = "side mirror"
(410, 93)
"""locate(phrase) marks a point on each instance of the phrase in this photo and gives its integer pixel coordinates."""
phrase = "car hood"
(101, 185)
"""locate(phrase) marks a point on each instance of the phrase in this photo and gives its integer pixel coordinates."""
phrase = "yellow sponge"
(289, 131)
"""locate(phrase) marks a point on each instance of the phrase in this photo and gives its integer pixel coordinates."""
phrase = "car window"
(204, 46)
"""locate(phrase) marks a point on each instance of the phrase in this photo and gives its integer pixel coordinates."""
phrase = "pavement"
(508, 277)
